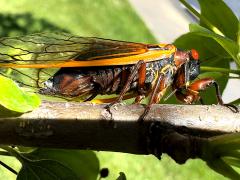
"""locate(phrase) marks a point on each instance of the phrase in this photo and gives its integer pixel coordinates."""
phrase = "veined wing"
(48, 50)
(26, 58)
(54, 48)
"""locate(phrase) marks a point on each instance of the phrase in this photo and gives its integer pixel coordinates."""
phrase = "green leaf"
(14, 98)
(221, 153)
(24, 149)
(227, 44)
(83, 163)
(45, 169)
(220, 16)
(232, 161)
(211, 54)
(223, 168)
(236, 102)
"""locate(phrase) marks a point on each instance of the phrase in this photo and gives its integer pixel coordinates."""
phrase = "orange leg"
(154, 96)
(127, 84)
(192, 92)
(141, 83)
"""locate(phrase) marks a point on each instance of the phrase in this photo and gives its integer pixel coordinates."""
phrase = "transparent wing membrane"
(60, 47)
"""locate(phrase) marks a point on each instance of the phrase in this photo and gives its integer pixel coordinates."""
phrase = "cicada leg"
(154, 97)
(141, 83)
(163, 81)
(140, 65)
(192, 93)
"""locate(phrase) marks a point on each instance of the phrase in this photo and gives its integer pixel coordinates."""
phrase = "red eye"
(194, 54)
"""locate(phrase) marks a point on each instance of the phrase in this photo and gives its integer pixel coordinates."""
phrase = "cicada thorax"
(88, 82)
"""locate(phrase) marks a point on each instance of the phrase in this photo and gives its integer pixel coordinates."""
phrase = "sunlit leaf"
(220, 16)
(14, 98)
(227, 44)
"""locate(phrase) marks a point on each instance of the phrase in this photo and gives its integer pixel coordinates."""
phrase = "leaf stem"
(223, 168)
(5, 153)
(232, 161)
(225, 140)
(233, 154)
(223, 70)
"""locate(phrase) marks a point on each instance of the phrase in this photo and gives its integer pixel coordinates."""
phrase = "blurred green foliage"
(112, 19)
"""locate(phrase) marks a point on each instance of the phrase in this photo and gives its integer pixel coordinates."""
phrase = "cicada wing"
(44, 48)
(56, 50)
(28, 77)
(31, 49)
(51, 48)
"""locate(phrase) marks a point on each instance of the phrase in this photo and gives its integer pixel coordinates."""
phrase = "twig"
(89, 126)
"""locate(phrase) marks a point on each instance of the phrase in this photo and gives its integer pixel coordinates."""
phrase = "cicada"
(73, 67)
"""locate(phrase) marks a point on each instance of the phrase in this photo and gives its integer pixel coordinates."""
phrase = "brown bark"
(89, 126)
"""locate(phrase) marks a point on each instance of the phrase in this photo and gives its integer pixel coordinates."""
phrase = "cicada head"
(193, 64)
(188, 68)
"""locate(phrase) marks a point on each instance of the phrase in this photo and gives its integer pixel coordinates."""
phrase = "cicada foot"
(145, 113)
(191, 94)
(138, 99)
(141, 65)
(108, 107)
(232, 107)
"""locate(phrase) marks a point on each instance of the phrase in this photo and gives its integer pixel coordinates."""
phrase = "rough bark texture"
(89, 126)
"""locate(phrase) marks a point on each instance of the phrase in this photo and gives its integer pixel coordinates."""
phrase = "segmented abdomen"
(88, 82)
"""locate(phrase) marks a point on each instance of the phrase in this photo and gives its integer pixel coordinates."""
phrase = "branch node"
(179, 147)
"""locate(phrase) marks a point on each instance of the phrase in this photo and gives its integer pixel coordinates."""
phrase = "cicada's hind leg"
(192, 93)
(141, 83)
(128, 83)
(154, 97)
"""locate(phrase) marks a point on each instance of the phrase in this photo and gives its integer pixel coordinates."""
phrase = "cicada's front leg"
(164, 79)
(192, 95)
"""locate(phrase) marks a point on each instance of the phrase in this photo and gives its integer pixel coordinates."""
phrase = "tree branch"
(89, 126)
